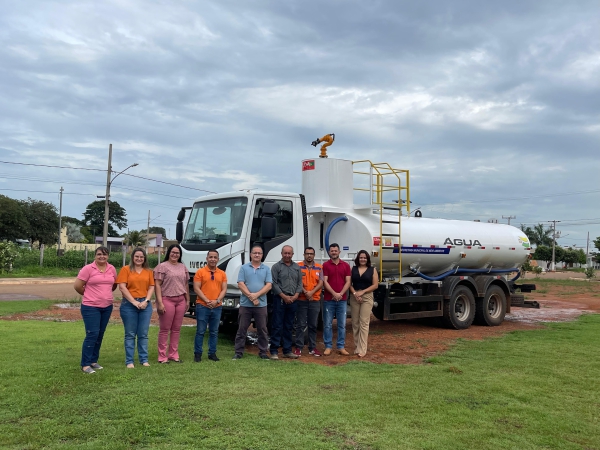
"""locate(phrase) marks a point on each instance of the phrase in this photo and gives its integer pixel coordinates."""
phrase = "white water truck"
(460, 271)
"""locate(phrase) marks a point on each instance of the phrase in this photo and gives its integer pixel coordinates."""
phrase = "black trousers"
(246, 314)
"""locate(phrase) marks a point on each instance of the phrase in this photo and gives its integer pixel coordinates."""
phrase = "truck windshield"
(216, 221)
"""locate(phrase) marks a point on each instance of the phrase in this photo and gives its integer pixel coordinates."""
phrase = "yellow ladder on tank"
(386, 188)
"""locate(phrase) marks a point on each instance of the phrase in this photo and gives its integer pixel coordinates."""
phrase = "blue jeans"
(95, 321)
(211, 317)
(136, 322)
(331, 308)
(282, 324)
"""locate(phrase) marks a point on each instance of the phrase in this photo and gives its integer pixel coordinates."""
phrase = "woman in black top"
(364, 281)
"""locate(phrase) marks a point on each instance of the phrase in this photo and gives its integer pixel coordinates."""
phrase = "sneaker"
(290, 355)
(314, 352)
(273, 356)
(213, 357)
(235, 357)
(327, 352)
(263, 357)
(297, 352)
(96, 366)
(88, 370)
(198, 357)
(343, 352)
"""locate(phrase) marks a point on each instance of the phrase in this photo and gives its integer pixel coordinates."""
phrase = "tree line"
(542, 239)
(37, 221)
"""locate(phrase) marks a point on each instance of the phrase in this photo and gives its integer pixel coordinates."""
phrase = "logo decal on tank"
(424, 250)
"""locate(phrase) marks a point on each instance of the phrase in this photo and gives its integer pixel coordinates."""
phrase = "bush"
(8, 254)
(537, 270)
(590, 273)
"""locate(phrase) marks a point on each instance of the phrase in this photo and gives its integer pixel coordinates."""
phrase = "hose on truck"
(459, 271)
(333, 223)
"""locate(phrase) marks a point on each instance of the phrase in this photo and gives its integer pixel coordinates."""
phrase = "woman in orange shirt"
(136, 282)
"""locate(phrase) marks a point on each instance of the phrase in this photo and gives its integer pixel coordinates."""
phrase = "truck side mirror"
(179, 231)
(181, 215)
(268, 226)
(268, 223)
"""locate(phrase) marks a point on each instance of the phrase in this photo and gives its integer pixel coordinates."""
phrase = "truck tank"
(430, 246)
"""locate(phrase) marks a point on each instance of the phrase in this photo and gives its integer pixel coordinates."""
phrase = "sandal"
(176, 360)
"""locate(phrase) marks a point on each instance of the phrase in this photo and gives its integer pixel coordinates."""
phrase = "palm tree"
(540, 235)
(135, 238)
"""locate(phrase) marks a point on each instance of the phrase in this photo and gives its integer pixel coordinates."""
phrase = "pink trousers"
(170, 321)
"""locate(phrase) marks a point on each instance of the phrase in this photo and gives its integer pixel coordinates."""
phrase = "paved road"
(62, 288)
(37, 288)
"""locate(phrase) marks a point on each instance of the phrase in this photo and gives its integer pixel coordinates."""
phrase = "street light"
(107, 199)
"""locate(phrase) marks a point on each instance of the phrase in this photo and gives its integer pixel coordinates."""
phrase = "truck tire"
(459, 310)
(491, 309)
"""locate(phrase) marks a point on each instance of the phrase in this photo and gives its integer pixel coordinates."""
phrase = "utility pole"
(509, 217)
(147, 232)
(60, 220)
(106, 200)
(587, 250)
(553, 222)
(107, 197)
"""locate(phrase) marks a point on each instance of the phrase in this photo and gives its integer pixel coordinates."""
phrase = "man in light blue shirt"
(254, 281)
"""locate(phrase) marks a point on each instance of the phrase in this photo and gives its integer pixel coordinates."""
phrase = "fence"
(76, 259)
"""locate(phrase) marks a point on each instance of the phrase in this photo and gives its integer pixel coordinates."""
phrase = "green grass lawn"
(37, 271)
(526, 390)
(18, 306)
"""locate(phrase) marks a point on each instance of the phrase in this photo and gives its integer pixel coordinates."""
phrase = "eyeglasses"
(257, 253)
(212, 275)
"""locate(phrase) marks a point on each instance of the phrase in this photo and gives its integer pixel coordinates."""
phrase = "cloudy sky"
(493, 106)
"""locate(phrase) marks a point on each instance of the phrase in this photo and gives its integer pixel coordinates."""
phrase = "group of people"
(296, 289)
(137, 283)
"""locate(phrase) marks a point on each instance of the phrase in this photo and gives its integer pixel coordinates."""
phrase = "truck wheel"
(459, 311)
(378, 310)
(491, 309)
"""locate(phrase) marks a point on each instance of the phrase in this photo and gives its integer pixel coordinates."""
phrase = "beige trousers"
(361, 316)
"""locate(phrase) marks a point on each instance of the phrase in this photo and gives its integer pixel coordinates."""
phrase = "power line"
(515, 198)
(43, 192)
(93, 184)
(100, 170)
(171, 184)
(48, 165)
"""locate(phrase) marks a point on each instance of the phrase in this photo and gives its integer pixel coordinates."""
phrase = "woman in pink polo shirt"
(171, 279)
(96, 283)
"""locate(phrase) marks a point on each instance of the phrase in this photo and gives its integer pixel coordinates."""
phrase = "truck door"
(289, 227)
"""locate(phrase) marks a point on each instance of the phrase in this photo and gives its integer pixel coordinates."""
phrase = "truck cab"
(230, 223)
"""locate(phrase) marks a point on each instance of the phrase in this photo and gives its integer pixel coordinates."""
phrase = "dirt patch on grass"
(407, 342)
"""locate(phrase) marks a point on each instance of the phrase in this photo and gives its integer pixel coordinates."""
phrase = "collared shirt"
(137, 283)
(311, 275)
(211, 283)
(336, 277)
(255, 279)
(286, 279)
(98, 285)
